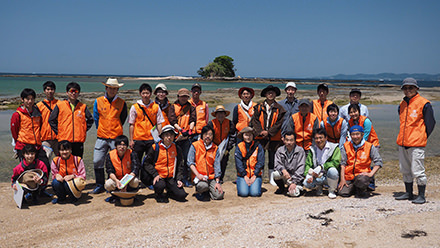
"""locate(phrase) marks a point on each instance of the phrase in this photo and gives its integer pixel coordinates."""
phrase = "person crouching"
(65, 168)
(119, 162)
(165, 164)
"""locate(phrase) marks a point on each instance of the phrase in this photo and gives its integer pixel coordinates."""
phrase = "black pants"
(184, 146)
(142, 147)
(170, 184)
(78, 149)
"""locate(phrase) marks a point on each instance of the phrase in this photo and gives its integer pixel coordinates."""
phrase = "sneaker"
(110, 199)
(150, 187)
(98, 190)
(162, 199)
(55, 201)
(187, 184)
(28, 197)
(372, 186)
(331, 195)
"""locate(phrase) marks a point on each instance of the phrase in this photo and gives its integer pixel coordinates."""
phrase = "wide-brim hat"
(410, 82)
(113, 83)
(270, 88)
(160, 86)
(168, 128)
(184, 92)
(240, 91)
(245, 130)
(126, 198)
(220, 108)
(76, 186)
(26, 179)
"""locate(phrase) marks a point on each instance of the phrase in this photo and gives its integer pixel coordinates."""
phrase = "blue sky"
(265, 38)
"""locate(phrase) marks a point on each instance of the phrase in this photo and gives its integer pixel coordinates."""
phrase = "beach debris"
(326, 221)
(384, 209)
(413, 233)
(270, 237)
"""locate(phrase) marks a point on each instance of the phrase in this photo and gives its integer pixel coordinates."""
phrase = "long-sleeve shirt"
(81, 171)
(122, 116)
(428, 116)
(293, 162)
(343, 111)
(290, 107)
(241, 167)
(53, 118)
(344, 129)
(374, 154)
(191, 160)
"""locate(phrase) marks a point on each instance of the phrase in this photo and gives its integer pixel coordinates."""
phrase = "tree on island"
(222, 66)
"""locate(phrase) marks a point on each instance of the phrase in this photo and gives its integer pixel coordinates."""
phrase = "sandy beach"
(269, 221)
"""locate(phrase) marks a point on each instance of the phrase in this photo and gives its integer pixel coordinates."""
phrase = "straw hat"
(245, 130)
(26, 179)
(160, 86)
(220, 108)
(126, 198)
(76, 186)
(113, 83)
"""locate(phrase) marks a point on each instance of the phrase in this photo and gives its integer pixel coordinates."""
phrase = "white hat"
(162, 87)
(113, 83)
(290, 84)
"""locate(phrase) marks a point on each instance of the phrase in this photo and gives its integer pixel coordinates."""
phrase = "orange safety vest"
(333, 132)
(319, 110)
(72, 126)
(200, 115)
(165, 115)
(412, 131)
(123, 166)
(166, 160)
(252, 161)
(182, 120)
(67, 167)
(243, 120)
(109, 126)
(142, 125)
(221, 130)
(46, 130)
(277, 136)
(205, 158)
(29, 132)
(372, 138)
(304, 129)
(358, 161)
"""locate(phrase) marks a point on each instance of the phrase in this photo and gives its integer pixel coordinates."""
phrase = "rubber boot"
(271, 181)
(421, 197)
(100, 180)
(408, 195)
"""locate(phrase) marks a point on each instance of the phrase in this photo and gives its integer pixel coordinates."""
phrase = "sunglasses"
(73, 91)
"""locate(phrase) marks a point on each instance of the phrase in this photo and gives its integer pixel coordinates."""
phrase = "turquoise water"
(12, 86)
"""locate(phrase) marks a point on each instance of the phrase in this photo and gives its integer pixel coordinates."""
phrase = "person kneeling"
(165, 164)
(120, 162)
(204, 161)
(289, 166)
(249, 161)
(356, 158)
(65, 169)
(322, 164)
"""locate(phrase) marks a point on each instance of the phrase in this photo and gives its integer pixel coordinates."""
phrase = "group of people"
(171, 145)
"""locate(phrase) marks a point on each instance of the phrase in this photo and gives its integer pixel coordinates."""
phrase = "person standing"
(303, 124)
(319, 107)
(355, 97)
(290, 104)
(266, 121)
(243, 112)
(202, 110)
(161, 99)
(48, 137)
(416, 125)
(110, 113)
(71, 119)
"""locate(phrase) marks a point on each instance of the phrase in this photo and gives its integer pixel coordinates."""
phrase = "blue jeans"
(332, 174)
(61, 189)
(244, 190)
